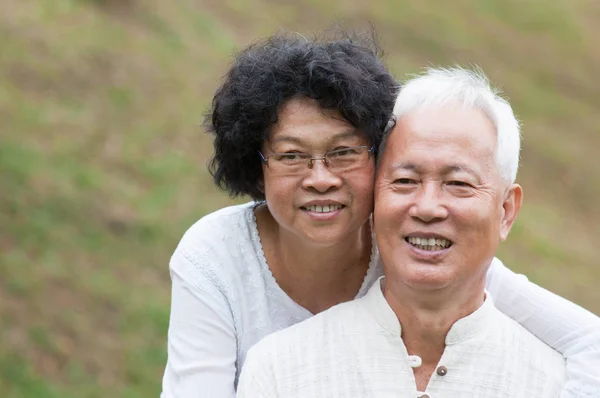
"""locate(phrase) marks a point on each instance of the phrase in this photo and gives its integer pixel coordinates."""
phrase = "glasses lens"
(338, 160)
(289, 163)
(348, 158)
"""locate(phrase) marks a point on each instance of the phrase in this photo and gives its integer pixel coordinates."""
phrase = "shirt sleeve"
(561, 324)
(202, 346)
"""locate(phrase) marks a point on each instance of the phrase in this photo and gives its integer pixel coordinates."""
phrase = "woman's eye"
(289, 157)
(343, 152)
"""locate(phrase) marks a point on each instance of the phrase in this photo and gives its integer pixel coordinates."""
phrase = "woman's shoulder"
(218, 244)
(213, 228)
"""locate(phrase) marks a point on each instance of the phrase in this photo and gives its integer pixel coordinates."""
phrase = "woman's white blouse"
(225, 300)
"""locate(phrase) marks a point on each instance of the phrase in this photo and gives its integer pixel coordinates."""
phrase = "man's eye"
(404, 181)
(459, 184)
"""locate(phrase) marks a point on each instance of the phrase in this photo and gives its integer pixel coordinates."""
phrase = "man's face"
(441, 206)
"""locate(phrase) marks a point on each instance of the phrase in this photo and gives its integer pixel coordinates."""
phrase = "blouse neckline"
(270, 278)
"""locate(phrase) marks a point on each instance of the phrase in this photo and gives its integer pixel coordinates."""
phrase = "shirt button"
(414, 361)
(441, 371)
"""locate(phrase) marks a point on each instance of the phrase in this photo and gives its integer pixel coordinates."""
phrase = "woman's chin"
(323, 237)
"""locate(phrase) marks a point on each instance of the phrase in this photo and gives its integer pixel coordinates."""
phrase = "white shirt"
(354, 350)
(225, 300)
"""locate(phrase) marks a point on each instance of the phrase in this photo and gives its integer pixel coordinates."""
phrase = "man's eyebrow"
(453, 168)
(460, 168)
(405, 166)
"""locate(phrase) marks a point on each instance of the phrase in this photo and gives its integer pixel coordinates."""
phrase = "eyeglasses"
(338, 160)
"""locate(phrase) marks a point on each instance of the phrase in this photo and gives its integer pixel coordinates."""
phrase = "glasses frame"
(324, 158)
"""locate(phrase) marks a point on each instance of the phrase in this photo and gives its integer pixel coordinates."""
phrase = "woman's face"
(316, 204)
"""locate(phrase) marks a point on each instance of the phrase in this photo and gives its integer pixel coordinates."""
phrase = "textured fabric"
(225, 299)
(355, 350)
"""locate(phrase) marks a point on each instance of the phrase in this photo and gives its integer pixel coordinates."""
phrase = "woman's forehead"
(302, 121)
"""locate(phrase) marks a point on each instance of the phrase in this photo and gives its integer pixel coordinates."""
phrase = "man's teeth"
(429, 243)
(323, 209)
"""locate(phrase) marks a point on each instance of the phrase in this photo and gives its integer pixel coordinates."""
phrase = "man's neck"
(316, 276)
(426, 318)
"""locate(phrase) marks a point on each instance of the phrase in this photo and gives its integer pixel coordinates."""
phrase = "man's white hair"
(471, 88)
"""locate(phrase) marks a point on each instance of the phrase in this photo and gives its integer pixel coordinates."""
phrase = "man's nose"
(429, 204)
(321, 178)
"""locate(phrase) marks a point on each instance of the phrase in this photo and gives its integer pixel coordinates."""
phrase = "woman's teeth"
(431, 244)
(323, 209)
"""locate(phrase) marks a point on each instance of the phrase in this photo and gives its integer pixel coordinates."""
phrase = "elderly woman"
(296, 124)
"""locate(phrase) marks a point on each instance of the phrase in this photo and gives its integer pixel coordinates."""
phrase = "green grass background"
(102, 160)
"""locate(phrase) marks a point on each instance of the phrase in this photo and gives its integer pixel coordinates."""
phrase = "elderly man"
(445, 196)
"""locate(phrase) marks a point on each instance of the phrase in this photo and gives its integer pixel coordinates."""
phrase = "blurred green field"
(102, 160)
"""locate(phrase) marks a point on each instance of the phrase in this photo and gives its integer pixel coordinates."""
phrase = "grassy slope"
(102, 162)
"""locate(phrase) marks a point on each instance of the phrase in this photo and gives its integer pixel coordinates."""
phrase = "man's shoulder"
(323, 328)
(522, 344)
(302, 358)
(507, 357)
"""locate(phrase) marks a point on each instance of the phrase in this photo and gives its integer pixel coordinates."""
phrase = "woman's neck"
(316, 277)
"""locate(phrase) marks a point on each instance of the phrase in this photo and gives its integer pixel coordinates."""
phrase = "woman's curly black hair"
(344, 74)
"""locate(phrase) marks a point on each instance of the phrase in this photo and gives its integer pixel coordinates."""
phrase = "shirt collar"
(463, 329)
(379, 308)
(473, 324)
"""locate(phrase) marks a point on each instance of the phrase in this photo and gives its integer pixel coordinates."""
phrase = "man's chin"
(428, 277)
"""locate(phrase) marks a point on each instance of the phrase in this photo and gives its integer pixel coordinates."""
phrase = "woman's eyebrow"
(296, 140)
(286, 138)
(345, 134)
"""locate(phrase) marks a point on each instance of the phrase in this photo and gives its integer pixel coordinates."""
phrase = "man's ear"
(511, 205)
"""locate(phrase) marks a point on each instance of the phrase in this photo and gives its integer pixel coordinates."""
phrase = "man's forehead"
(439, 151)
(470, 127)
(445, 114)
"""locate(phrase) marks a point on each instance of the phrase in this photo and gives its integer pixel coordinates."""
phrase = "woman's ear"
(261, 186)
